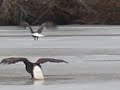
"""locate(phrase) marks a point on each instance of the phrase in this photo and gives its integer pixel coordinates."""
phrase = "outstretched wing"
(13, 60)
(47, 25)
(43, 60)
(41, 28)
(26, 24)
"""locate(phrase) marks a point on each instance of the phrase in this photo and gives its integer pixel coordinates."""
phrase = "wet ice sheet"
(93, 60)
(76, 72)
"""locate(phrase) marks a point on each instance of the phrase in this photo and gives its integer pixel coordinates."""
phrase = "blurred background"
(61, 12)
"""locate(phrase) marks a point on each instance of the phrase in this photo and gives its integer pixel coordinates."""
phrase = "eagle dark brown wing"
(44, 60)
(41, 28)
(26, 24)
(13, 60)
(50, 25)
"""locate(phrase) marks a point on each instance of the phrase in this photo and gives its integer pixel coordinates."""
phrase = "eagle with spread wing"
(33, 68)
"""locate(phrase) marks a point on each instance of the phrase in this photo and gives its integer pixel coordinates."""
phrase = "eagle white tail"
(37, 73)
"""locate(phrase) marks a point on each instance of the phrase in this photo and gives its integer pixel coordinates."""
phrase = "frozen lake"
(93, 53)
